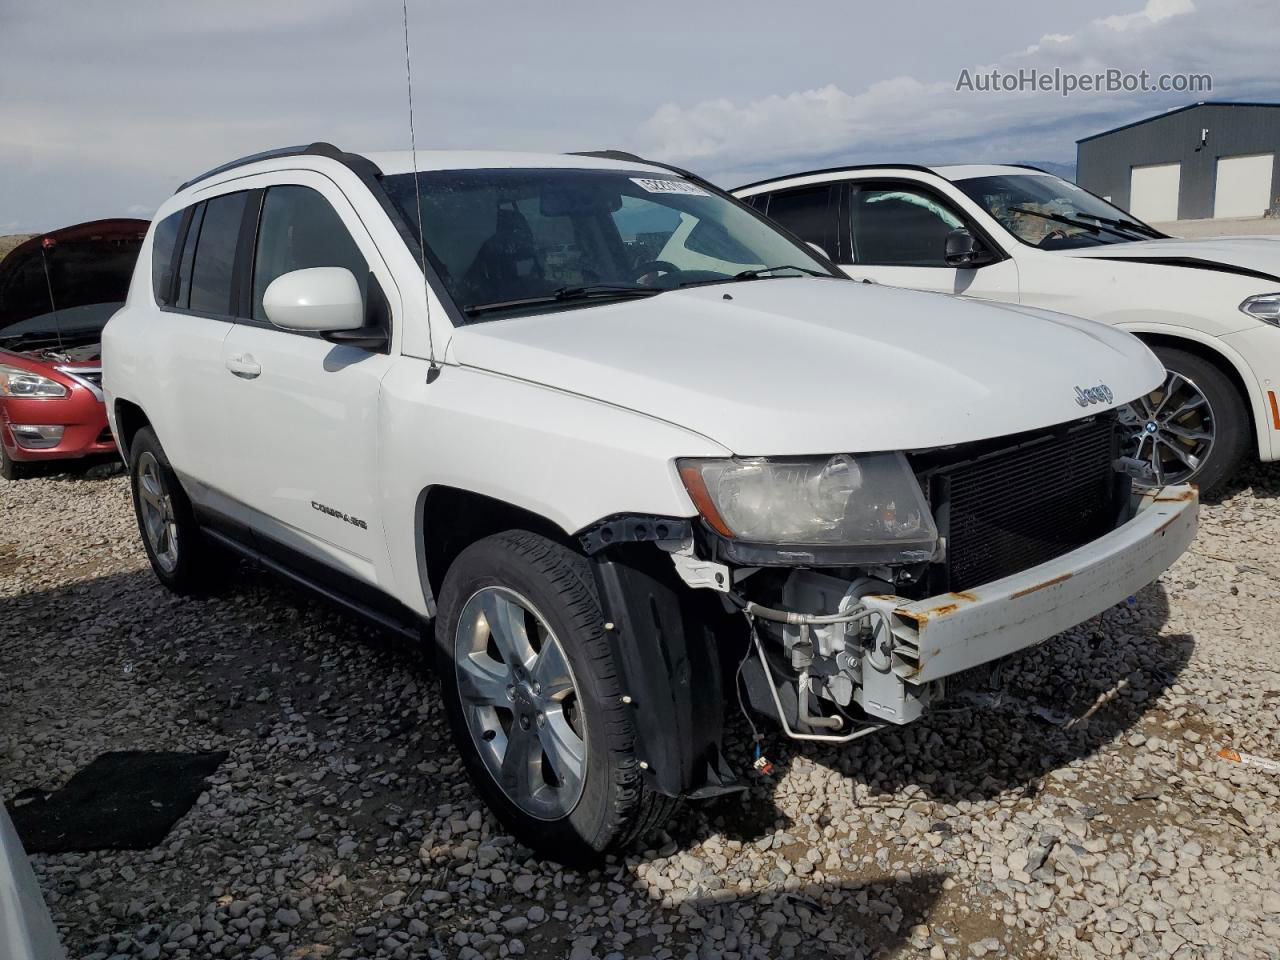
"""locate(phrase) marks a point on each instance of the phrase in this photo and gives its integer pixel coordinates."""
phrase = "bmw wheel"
(1193, 427)
(534, 700)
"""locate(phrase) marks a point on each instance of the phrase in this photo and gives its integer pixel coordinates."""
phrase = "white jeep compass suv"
(1208, 308)
(625, 450)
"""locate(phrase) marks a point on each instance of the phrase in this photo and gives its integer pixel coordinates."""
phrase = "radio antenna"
(434, 370)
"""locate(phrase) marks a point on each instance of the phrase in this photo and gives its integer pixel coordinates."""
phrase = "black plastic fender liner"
(670, 671)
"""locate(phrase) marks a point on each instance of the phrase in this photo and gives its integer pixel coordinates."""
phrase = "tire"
(11, 469)
(1227, 423)
(181, 555)
(521, 578)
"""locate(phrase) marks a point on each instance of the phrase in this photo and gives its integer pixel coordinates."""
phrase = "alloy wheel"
(156, 504)
(1171, 429)
(521, 702)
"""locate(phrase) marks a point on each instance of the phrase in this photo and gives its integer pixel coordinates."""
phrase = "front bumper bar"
(947, 634)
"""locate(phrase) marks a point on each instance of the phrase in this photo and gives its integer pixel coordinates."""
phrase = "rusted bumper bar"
(943, 635)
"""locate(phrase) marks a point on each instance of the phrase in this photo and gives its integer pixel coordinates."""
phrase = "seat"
(507, 265)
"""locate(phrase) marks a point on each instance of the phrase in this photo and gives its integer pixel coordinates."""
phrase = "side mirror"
(963, 249)
(315, 300)
(818, 247)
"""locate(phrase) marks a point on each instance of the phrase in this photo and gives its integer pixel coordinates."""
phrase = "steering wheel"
(1054, 235)
(653, 267)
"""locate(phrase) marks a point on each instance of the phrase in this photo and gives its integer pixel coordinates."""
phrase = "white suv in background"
(1208, 308)
(618, 444)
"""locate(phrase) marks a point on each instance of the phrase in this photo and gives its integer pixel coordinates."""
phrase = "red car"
(57, 292)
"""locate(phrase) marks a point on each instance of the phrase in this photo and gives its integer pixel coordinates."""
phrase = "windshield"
(1048, 212)
(516, 240)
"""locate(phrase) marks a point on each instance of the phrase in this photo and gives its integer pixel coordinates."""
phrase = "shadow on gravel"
(1262, 479)
(1059, 702)
(868, 920)
(97, 467)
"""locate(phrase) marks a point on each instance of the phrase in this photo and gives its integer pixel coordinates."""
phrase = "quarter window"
(213, 271)
(163, 245)
(900, 227)
(300, 229)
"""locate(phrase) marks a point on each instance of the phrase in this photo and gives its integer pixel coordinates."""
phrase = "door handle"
(243, 365)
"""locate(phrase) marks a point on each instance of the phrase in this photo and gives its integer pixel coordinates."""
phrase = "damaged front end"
(903, 573)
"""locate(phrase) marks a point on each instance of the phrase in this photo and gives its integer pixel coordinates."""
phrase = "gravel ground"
(1081, 814)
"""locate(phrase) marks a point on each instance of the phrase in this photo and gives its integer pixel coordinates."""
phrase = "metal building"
(1207, 159)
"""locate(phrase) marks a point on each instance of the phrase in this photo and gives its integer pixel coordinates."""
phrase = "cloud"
(1154, 12)
(914, 118)
(1049, 39)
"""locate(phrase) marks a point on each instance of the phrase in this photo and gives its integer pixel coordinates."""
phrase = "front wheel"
(1193, 428)
(531, 686)
(11, 469)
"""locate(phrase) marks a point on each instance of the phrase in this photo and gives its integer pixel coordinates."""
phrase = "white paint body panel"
(1153, 191)
(1112, 285)
(858, 368)
(1243, 185)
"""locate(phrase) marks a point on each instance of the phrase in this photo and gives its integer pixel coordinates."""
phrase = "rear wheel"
(1194, 427)
(11, 469)
(180, 554)
(533, 696)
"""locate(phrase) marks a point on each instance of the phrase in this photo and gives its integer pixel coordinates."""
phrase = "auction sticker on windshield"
(669, 186)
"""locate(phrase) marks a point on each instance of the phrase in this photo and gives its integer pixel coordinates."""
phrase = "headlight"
(869, 500)
(16, 382)
(1264, 307)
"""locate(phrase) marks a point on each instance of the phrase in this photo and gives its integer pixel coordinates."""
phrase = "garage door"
(1153, 192)
(1244, 186)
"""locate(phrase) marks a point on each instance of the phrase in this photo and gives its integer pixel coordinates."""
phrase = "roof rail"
(844, 169)
(361, 165)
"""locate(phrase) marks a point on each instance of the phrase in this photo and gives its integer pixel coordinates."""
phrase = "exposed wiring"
(737, 686)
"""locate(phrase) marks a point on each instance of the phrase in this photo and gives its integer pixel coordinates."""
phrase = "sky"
(106, 107)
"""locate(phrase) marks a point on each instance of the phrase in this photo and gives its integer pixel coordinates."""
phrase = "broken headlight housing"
(864, 508)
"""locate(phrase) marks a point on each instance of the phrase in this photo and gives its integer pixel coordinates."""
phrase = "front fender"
(566, 458)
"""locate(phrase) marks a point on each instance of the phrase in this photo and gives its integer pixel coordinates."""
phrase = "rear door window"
(213, 269)
(808, 213)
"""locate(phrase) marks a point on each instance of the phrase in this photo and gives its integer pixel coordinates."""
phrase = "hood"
(1257, 257)
(68, 282)
(812, 366)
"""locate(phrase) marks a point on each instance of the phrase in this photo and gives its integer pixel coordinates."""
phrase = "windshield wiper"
(1082, 224)
(1132, 225)
(762, 271)
(591, 291)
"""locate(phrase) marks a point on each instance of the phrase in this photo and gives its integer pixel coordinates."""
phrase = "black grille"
(1011, 509)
